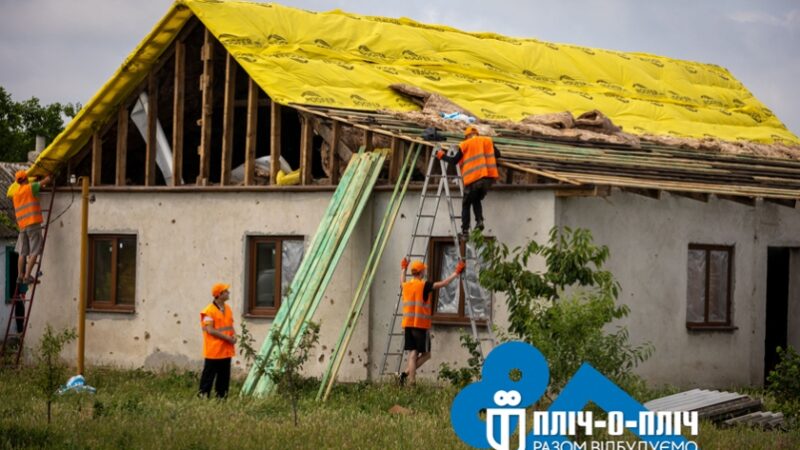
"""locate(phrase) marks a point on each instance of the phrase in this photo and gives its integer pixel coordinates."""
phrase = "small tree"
(563, 311)
(288, 364)
(784, 381)
(50, 370)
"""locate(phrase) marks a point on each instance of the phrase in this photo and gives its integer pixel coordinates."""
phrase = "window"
(272, 263)
(449, 303)
(709, 286)
(112, 272)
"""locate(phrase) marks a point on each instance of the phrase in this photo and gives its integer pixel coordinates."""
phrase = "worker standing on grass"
(478, 157)
(218, 339)
(29, 220)
(417, 313)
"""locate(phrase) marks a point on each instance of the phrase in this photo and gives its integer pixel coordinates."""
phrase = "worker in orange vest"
(218, 339)
(477, 157)
(29, 221)
(417, 314)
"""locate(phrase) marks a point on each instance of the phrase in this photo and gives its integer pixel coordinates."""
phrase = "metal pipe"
(84, 276)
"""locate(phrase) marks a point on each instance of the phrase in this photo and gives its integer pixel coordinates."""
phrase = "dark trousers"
(473, 194)
(219, 369)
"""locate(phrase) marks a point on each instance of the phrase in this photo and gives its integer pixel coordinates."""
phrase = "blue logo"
(487, 413)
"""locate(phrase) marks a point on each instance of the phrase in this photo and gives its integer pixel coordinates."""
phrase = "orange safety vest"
(27, 207)
(214, 347)
(416, 309)
(478, 159)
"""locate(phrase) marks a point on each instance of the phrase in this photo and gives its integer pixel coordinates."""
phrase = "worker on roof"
(417, 314)
(216, 319)
(28, 211)
(477, 157)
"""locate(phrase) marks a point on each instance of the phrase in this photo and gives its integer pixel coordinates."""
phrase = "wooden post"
(122, 145)
(97, 159)
(334, 156)
(396, 160)
(84, 281)
(306, 143)
(177, 117)
(152, 127)
(206, 84)
(274, 142)
(252, 128)
(227, 119)
(368, 141)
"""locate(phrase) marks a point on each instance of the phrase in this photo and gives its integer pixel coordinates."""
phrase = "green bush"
(564, 311)
(784, 381)
(463, 376)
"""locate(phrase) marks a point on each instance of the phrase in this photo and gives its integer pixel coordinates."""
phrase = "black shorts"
(417, 339)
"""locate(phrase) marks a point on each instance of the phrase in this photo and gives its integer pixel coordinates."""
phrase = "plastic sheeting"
(348, 61)
(448, 296)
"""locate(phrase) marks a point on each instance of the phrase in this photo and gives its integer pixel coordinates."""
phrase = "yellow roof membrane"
(345, 60)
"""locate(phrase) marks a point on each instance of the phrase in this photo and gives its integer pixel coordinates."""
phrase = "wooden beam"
(97, 159)
(651, 193)
(178, 111)
(152, 127)
(700, 197)
(306, 144)
(396, 160)
(336, 135)
(227, 119)
(368, 145)
(747, 201)
(544, 173)
(252, 129)
(122, 145)
(590, 191)
(206, 85)
(274, 142)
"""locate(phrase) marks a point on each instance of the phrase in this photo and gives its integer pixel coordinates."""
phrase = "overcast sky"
(64, 50)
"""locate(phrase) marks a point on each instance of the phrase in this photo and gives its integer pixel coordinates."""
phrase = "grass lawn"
(142, 410)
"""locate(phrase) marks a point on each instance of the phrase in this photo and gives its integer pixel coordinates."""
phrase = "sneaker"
(464, 236)
(401, 380)
(479, 225)
(30, 280)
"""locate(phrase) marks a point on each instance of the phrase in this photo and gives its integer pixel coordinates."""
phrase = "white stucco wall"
(649, 240)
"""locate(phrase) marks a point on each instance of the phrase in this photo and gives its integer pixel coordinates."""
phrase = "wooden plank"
(368, 145)
(306, 145)
(544, 173)
(122, 145)
(396, 159)
(207, 108)
(178, 113)
(97, 159)
(590, 191)
(227, 119)
(252, 133)
(152, 127)
(334, 156)
(274, 142)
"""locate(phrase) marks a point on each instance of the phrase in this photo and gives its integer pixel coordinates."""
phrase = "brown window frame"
(111, 305)
(252, 242)
(435, 258)
(706, 324)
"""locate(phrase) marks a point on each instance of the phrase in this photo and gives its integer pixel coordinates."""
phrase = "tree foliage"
(21, 122)
(564, 311)
(50, 369)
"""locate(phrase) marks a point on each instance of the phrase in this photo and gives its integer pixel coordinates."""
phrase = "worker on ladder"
(417, 314)
(29, 220)
(478, 157)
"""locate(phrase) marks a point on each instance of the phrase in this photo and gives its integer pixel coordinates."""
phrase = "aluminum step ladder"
(481, 328)
(21, 303)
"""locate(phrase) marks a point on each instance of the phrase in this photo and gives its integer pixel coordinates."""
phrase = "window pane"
(103, 250)
(696, 286)
(448, 295)
(480, 298)
(126, 270)
(290, 262)
(718, 287)
(265, 274)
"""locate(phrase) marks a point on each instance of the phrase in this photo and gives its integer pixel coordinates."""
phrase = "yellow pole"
(84, 275)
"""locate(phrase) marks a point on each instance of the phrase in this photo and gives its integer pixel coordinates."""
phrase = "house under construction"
(216, 148)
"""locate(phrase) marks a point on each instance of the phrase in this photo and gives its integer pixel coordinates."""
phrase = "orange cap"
(21, 175)
(418, 266)
(219, 288)
(470, 129)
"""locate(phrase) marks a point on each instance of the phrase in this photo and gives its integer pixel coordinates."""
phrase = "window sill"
(130, 311)
(259, 316)
(705, 328)
(456, 322)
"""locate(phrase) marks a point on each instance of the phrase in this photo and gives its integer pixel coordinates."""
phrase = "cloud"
(790, 20)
